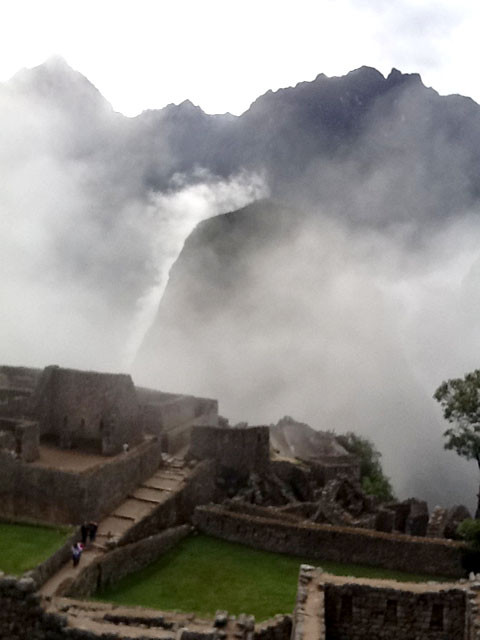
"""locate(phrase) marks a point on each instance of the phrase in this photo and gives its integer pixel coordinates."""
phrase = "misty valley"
(316, 256)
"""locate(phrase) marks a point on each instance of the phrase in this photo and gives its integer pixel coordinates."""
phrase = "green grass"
(24, 546)
(203, 574)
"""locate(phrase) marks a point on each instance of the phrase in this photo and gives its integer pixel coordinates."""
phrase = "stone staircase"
(167, 480)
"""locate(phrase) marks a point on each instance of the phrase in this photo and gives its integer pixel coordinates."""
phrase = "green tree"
(374, 481)
(460, 402)
(469, 531)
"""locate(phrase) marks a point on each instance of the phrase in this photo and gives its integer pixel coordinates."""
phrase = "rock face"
(344, 146)
(298, 440)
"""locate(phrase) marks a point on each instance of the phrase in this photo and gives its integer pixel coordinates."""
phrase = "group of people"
(88, 532)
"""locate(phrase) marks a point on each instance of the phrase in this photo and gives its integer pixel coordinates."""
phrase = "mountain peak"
(396, 77)
(55, 80)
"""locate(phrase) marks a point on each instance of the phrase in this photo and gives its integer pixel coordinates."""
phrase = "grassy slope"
(203, 574)
(23, 547)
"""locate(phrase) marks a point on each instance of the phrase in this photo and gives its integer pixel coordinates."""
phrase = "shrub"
(374, 481)
(469, 531)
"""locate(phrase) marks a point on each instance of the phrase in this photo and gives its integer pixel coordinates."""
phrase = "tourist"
(92, 531)
(84, 532)
(77, 549)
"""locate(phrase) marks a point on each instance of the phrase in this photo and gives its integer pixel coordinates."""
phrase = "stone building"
(87, 409)
(74, 444)
(238, 451)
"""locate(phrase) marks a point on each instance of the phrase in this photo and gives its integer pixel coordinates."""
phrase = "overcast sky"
(222, 54)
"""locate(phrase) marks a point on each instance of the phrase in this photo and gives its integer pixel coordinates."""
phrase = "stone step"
(162, 484)
(149, 494)
(169, 477)
(133, 509)
(171, 471)
(141, 503)
(114, 526)
(99, 546)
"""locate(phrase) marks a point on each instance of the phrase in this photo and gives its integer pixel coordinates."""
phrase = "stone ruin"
(299, 471)
(270, 480)
(320, 449)
(87, 410)
(307, 475)
(75, 443)
(337, 608)
(93, 412)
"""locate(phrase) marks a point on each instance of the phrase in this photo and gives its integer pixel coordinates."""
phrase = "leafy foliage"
(469, 530)
(460, 402)
(374, 481)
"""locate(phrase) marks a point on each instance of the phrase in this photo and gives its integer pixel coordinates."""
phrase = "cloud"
(174, 214)
(86, 242)
(348, 312)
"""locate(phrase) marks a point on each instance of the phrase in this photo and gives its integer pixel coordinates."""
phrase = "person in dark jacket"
(92, 531)
(84, 532)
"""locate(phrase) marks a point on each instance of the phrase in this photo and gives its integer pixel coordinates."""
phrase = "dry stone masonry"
(345, 609)
(78, 446)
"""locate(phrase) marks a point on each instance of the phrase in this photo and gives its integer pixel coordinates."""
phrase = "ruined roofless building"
(87, 410)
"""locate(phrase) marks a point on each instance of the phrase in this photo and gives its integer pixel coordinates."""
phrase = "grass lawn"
(203, 574)
(24, 546)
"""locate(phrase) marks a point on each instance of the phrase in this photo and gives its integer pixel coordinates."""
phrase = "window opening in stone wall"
(391, 612)
(82, 424)
(346, 608)
(436, 620)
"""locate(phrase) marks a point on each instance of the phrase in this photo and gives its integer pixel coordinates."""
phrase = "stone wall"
(177, 439)
(238, 450)
(27, 437)
(309, 613)
(172, 417)
(86, 408)
(170, 412)
(199, 489)
(52, 495)
(21, 437)
(114, 565)
(21, 613)
(49, 567)
(16, 387)
(325, 470)
(339, 544)
(340, 608)
(14, 403)
(23, 616)
(19, 377)
(361, 612)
